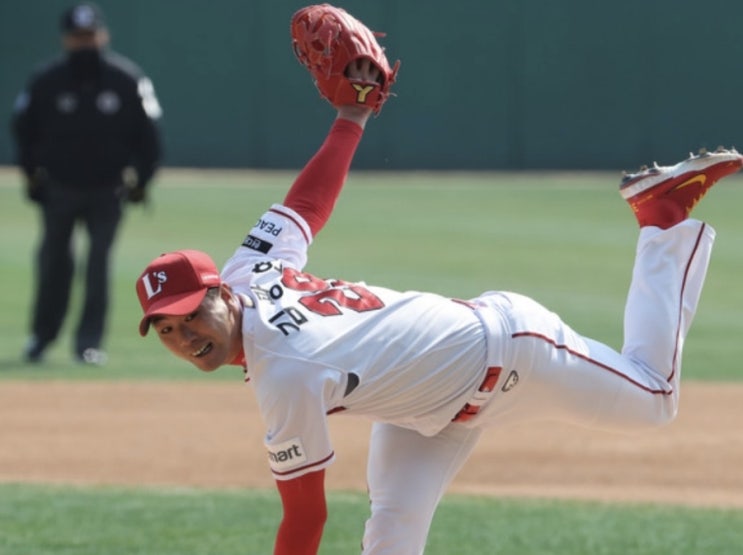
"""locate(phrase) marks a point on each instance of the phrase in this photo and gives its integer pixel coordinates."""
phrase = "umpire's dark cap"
(83, 18)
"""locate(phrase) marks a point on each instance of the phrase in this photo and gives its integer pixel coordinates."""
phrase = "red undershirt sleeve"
(319, 184)
(305, 512)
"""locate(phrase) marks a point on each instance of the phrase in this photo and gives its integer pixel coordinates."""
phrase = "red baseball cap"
(174, 284)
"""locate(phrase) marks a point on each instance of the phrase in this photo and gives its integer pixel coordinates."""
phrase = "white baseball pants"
(562, 376)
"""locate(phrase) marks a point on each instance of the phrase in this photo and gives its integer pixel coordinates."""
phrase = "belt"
(481, 396)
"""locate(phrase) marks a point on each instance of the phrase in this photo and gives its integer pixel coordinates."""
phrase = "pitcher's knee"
(667, 413)
(636, 410)
(662, 411)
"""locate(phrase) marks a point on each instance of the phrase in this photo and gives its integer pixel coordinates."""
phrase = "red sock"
(665, 213)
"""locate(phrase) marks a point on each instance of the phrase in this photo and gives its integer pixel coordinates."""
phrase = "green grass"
(565, 239)
(46, 520)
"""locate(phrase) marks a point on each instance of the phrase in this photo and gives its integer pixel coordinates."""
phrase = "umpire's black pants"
(62, 208)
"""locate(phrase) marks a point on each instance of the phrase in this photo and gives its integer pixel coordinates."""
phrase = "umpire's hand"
(136, 195)
(36, 186)
(131, 189)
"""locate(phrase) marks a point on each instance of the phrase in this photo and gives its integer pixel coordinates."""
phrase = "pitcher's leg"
(667, 281)
(565, 376)
(672, 256)
(407, 475)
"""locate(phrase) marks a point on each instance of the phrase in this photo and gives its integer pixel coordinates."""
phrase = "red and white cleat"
(663, 196)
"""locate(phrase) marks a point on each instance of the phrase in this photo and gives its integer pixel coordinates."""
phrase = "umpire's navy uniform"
(87, 139)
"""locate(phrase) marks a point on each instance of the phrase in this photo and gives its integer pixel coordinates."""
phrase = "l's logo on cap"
(160, 277)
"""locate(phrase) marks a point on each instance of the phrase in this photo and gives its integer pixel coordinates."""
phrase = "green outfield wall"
(533, 84)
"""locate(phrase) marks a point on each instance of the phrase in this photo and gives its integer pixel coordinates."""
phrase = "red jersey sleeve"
(305, 512)
(318, 185)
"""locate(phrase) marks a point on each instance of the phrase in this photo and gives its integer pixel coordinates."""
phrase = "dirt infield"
(209, 435)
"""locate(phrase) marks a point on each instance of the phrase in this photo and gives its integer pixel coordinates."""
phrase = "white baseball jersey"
(411, 361)
(314, 346)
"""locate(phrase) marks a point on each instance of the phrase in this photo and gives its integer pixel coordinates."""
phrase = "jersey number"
(327, 297)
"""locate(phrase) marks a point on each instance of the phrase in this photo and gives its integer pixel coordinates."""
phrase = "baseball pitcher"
(432, 372)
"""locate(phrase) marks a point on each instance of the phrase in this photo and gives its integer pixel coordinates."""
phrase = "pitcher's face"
(208, 337)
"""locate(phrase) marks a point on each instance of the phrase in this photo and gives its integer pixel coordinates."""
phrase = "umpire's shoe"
(663, 196)
(33, 352)
(92, 357)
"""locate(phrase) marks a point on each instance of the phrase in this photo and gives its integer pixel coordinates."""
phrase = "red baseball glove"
(326, 40)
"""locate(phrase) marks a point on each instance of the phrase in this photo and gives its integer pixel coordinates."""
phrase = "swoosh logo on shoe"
(701, 179)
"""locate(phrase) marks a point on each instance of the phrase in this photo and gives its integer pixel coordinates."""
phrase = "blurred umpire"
(87, 141)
